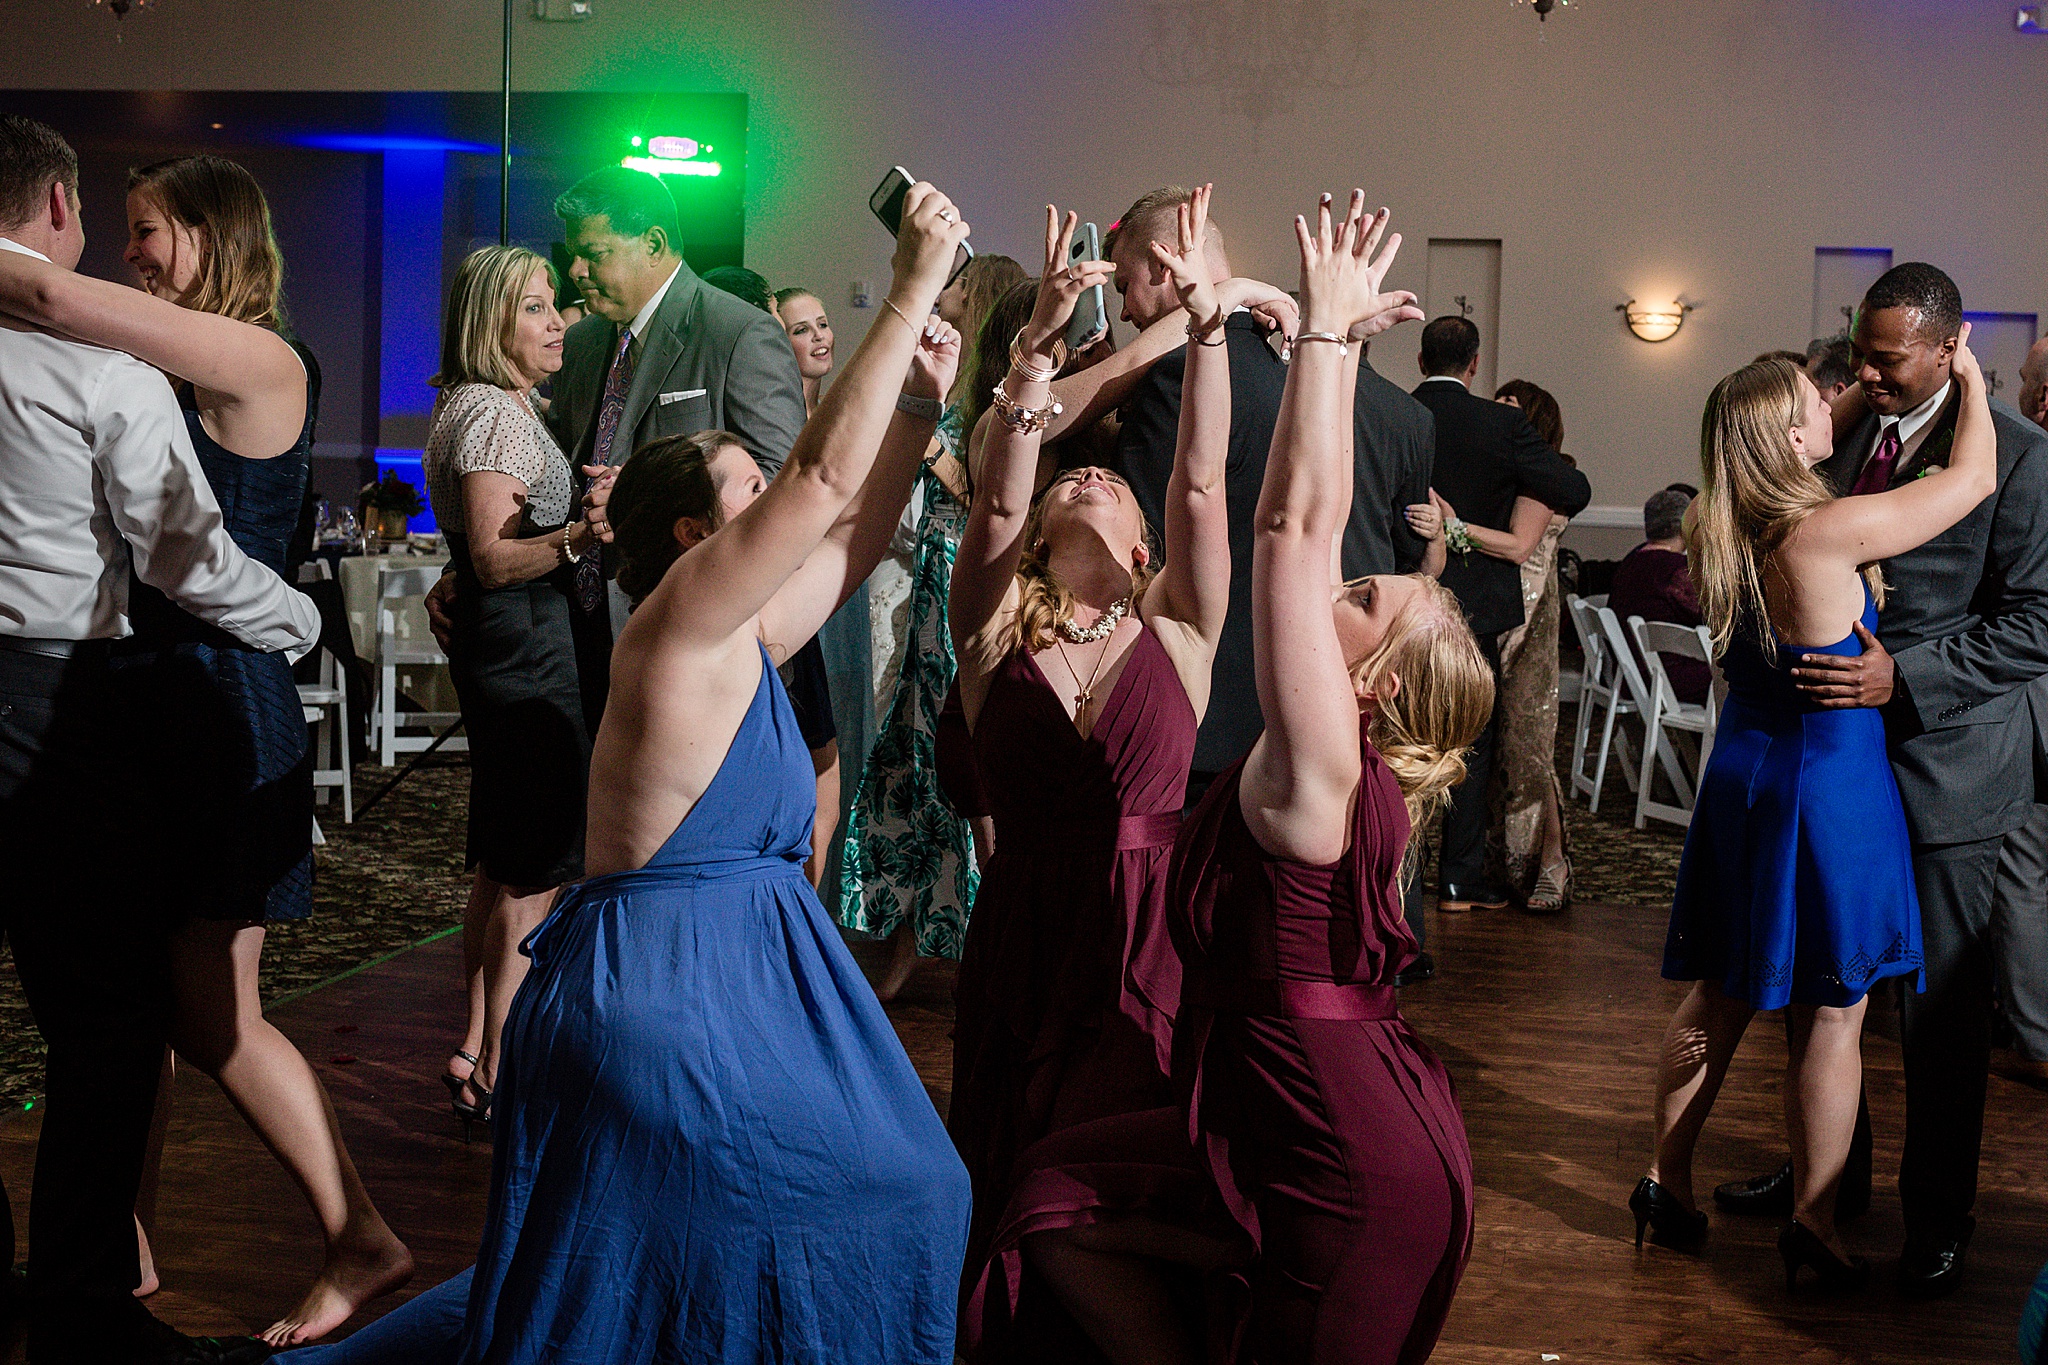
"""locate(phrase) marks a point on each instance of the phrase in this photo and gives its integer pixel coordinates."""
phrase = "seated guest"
(1487, 456)
(1830, 364)
(1652, 582)
(506, 497)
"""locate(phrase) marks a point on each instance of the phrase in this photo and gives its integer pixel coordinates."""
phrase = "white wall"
(1629, 148)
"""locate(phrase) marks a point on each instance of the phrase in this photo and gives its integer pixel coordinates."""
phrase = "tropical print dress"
(908, 854)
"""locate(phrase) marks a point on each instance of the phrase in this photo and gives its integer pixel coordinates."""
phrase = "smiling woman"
(505, 492)
(810, 339)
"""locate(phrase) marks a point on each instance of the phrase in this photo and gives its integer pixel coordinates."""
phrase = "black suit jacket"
(1392, 448)
(1966, 622)
(1487, 455)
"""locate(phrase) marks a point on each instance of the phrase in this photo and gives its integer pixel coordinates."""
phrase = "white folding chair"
(325, 702)
(398, 585)
(1629, 682)
(1599, 689)
(1666, 712)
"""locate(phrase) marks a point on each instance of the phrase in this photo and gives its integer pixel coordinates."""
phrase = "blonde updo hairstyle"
(1442, 697)
(1754, 492)
(1045, 600)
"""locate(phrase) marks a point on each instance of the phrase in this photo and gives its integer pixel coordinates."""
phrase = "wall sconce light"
(1654, 324)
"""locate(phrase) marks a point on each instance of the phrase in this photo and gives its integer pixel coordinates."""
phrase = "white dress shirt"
(1913, 426)
(97, 471)
(644, 319)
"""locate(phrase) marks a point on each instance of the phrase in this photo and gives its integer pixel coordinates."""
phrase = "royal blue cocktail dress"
(711, 1148)
(1797, 878)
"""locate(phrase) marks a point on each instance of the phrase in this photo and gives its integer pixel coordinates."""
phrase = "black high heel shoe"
(469, 1115)
(1800, 1247)
(454, 1082)
(1667, 1221)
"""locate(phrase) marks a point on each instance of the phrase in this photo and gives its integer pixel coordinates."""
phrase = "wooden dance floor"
(1550, 1027)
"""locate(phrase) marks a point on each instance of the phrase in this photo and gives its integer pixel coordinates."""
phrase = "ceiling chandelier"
(1543, 8)
(120, 9)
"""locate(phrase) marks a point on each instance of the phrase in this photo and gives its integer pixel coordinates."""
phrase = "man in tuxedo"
(1487, 455)
(98, 483)
(661, 354)
(1392, 447)
(1959, 674)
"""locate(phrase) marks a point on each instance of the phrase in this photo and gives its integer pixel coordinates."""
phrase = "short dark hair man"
(1487, 455)
(661, 354)
(1392, 440)
(1830, 364)
(98, 483)
(1960, 676)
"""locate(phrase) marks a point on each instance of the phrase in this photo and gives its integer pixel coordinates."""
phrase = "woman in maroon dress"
(1082, 680)
(1330, 1133)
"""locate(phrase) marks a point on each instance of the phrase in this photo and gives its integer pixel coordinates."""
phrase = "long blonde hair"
(1754, 492)
(483, 310)
(1443, 697)
(1046, 601)
(241, 271)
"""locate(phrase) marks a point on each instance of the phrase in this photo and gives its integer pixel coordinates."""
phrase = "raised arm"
(253, 372)
(993, 540)
(1192, 593)
(1300, 778)
(722, 582)
(1874, 526)
(859, 539)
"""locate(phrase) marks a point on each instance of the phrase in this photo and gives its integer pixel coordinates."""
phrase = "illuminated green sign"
(670, 155)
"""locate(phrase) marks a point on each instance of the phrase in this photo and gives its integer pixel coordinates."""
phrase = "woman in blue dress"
(224, 762)
(710, 1146)
(1796, 888)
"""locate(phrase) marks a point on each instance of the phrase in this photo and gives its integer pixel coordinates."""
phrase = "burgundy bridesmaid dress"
(1331, 1132)
(1068, 982)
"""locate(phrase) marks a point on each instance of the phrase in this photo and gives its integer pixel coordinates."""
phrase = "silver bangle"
(1342, 343)
(924, 409)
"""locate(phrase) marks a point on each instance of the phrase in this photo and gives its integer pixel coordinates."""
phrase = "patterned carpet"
(395, 878)
(384, 883)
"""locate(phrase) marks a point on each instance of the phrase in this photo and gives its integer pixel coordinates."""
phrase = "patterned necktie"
(1877, 470)
(590, 569)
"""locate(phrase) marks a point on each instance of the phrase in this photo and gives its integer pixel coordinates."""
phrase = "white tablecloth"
(426, 684)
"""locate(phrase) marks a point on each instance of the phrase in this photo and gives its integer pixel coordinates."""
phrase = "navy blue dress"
(1797, 878)
(710, 1146)
(225, 756)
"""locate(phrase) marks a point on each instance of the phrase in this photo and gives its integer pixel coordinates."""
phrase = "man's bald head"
(2034, 384)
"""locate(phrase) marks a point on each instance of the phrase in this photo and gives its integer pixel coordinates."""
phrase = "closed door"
(1464, 279)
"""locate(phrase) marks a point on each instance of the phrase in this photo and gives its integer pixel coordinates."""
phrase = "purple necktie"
(590, 569)
(1877, 470)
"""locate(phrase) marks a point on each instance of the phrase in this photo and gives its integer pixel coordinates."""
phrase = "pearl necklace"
(1104, 624)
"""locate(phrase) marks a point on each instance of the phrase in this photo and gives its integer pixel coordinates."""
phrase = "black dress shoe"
(1422, 969)
(1933, 1266)
(1668, 1222)
(124, 1337)
(1771, 1195)
(1798, 1247)
(1456, 897)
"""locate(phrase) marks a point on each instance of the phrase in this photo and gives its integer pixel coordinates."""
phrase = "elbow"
(1289, 524)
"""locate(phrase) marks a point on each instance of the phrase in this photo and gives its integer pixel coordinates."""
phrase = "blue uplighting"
(408, 465)
(387, 142)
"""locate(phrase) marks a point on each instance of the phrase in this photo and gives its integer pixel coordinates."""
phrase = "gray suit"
(1967, 625)
(731, 358)
(708, 362)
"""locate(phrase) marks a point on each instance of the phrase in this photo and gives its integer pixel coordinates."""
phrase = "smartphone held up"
(887, 203)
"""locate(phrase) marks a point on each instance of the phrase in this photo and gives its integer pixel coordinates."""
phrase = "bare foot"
(150, 1283)
(902, 964)
(355, 1273)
